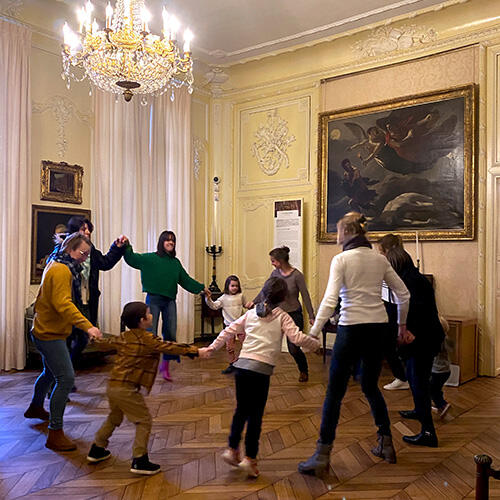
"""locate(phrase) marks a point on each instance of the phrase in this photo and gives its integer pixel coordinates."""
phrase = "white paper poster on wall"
(288, 231)
(288, 228)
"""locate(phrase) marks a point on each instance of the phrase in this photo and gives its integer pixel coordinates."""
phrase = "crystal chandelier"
(124, 57)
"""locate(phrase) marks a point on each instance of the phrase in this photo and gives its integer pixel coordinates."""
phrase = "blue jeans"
(295, 350)
(363, 342)
(159, 304)
(56, 366)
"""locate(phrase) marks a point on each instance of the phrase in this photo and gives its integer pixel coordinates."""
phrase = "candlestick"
(214, 251)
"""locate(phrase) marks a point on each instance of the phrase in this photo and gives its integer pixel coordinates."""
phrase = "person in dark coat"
(87, 298)
(423, 322)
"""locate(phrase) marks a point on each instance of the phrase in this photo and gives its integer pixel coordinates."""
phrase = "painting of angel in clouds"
(408, 165)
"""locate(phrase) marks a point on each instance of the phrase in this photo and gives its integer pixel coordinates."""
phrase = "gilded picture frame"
(45, 222)
(407, 164)
(61, 182)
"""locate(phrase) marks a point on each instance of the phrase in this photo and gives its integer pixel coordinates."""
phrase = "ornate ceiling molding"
(214, 79)
(63, 110)
(387, 39)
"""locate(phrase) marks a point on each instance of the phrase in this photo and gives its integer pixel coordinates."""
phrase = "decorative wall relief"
(273, 144)
(385, 39)
(62, 109)
(12, 8)
(199, 149)
(273, 140)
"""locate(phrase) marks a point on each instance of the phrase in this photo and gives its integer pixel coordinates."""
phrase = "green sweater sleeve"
(134, 260)
(188, 283)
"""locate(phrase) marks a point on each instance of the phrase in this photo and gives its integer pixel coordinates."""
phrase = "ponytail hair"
(274, 291)
(392, 247)
(353, 223)
(281, 254)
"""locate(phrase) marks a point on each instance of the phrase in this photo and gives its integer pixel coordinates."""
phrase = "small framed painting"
(61, 182)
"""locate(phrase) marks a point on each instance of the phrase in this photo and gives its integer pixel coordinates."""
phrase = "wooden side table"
(207, 313)
(463, 332)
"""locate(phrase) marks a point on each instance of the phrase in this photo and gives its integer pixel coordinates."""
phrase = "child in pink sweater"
(260, 330)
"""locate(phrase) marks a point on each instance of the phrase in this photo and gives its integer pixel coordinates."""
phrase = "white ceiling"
(230, 31)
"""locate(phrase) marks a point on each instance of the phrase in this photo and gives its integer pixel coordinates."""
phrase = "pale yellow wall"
(462, 269)
(456, 293)
(60, 121)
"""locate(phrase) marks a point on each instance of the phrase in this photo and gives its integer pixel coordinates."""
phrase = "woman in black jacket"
(89, 293)
(423, 322)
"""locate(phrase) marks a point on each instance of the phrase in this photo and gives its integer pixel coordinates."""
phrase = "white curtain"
(142, 184)
(15, 190)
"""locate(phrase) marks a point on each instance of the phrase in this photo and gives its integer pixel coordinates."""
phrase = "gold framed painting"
(61, 182)
(45, 222)
(407, 164)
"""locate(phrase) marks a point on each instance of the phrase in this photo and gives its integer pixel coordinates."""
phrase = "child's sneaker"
(443, 410)
(396, 385)
(98, 454)
(142, 465)
(249, 465)
(231, 457)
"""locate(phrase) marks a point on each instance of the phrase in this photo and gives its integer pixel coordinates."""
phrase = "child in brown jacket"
(135, 366)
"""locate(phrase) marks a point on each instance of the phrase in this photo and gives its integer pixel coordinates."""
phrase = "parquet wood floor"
(191, 421)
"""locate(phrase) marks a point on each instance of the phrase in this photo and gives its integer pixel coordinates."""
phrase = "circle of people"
(384, 308)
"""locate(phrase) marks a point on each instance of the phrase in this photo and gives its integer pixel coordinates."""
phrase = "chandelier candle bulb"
(81, 19)
(188, 36)
(174, 27)
(109, 15)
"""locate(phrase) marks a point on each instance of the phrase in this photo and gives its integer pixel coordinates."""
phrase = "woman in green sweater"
(161, 272)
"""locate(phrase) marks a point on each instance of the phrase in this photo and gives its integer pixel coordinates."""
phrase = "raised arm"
(235, 330)
(108, 261)
(134, 260)
(331, 297)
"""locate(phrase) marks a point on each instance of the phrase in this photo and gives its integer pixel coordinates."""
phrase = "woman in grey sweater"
(296, 284)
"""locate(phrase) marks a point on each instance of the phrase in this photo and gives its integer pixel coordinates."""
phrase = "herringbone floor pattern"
(191, 420)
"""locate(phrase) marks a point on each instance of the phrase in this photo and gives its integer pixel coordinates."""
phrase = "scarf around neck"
(358, 241)
(75, 269)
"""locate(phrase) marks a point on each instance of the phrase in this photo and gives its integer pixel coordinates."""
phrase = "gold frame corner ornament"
(75, 196)
(470, 95)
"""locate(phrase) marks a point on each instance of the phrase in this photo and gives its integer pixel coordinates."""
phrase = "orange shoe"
(57, 441)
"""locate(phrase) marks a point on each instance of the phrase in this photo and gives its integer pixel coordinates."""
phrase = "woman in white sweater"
(260, 330)
(356, 277)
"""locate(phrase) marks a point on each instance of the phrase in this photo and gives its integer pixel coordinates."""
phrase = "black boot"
(142, 465)
(318, 463)
(425, 438)
(385, 449)
(411, 414)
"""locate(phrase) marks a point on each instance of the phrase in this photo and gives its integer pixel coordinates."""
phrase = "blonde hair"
(352, 223)
(73, 241)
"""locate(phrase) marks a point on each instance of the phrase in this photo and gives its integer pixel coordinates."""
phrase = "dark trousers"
(295, 350)
(418, 371)
(252, 389)
(391, 353)
(78, 339)
(353, 343)
(436, 387)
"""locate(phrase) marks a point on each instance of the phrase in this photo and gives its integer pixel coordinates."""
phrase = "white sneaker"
(396, 385)
(231, 457)
(249, 465)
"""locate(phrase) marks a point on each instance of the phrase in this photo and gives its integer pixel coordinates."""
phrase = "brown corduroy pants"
(126, 400)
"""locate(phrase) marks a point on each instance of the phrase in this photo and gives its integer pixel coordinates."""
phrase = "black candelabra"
(214, 250)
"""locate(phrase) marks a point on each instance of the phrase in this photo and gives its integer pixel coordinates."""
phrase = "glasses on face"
(85, 253)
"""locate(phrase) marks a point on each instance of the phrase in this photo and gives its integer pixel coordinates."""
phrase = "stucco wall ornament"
(272, 143)
(63, 109)
(385, 39)
(11, 8)
(199, 147)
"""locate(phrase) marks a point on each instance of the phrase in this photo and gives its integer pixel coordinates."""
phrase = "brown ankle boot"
(36, 412)
(57, 441)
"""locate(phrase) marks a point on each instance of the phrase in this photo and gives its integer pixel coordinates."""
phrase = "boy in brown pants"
(135, 367)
